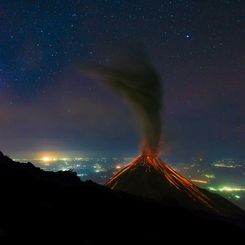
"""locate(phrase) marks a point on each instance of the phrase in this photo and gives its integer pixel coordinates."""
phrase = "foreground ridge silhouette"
(37, 205)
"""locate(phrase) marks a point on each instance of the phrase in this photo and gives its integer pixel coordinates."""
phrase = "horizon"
(223, 176)
(38, 155)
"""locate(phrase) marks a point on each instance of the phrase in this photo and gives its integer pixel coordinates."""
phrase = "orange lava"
(176, 180)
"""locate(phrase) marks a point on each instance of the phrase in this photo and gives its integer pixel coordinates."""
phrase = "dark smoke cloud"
(132, 75)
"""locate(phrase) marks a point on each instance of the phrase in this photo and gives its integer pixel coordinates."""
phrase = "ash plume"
(133, 76)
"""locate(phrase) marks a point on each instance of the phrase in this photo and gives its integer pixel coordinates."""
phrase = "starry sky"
(48, 104)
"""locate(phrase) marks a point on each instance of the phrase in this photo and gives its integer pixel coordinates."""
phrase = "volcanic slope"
(150, 177)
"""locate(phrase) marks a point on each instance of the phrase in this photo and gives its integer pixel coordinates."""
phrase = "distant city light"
(226, 164)
(48, 159)
(222, 165)
(199, 181)
(210, 176)
(226, 189)
(98, 169)
(65, 169)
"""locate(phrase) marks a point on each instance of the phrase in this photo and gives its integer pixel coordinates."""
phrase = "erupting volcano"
(133, 76)
(148, 176)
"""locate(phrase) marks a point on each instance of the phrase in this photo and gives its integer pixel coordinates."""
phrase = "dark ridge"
(44, 206)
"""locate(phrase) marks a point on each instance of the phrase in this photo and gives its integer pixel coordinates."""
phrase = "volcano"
(133, 76)
(150, 177)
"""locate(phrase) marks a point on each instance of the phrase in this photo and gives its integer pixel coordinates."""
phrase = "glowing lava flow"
(165, 175)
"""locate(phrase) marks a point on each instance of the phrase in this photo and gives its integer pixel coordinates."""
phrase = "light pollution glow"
(48, 159)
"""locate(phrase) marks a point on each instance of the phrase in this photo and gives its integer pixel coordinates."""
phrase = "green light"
(210, 176)
(237, 197)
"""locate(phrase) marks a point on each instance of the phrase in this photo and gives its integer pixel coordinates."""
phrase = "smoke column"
(133, 76)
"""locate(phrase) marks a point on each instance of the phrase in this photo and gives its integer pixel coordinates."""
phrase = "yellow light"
(118, 166)
(230, 189)
(199, 181)
(46, 159)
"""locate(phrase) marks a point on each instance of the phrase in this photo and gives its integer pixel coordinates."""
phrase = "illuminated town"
(222, 176)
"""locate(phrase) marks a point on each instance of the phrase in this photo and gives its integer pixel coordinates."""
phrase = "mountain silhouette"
(37, 205)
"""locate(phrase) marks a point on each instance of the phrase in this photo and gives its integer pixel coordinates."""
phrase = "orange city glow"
(47, 159)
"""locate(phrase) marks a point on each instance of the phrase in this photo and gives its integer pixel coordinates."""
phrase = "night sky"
(48, 104)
